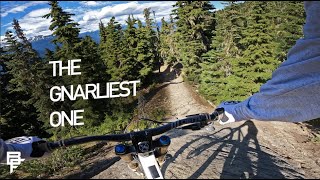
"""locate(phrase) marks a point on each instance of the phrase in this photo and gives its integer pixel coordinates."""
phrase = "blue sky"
(87, 13)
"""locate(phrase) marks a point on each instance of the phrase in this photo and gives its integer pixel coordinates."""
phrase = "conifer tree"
(194, 25)
(249, 42)
(18, 115)
(102, 33)
(287, 19)
(167, 50)
(63, 27)
(146, 47)
(164, 32)
(92, 72)
(130, 67)
(112, 48)
(259, 58)
(66, 34)
(217, 80)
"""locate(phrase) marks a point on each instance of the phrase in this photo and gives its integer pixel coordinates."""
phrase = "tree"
(66, 39)
(147, 47)
(194, 25)
(259, 55)
(102, 33)
(18, 114)
(288, 19)
(130, 67)
(41, 93)
(62, 25)
(251, 39)
(112, 48)
(218, 63)
(167, 50)
(93, 71)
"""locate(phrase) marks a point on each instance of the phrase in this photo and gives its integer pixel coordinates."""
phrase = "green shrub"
(315, 122)
(43, 167)
(316, 139)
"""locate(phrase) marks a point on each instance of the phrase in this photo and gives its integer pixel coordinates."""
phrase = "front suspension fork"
(151, 161)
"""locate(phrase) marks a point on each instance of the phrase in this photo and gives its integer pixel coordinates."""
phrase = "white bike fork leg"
(150, 166)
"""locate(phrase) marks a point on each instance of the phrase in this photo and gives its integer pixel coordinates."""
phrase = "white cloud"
(38, 13)
(126, 9)
(95, 3)
(3, 42)
(6, 25)
(33, 24)
(2, 38)
(21, 8)
(92, 18)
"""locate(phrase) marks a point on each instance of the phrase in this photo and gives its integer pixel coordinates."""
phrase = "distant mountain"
(94, 34)
(39, 37)
(40, 43)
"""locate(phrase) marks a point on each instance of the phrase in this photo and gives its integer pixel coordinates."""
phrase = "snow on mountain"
(40, 43)
(39, 37)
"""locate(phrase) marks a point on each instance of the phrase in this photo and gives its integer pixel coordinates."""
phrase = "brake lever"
(193, 126)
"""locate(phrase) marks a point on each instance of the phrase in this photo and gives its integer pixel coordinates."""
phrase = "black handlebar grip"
(220, 110)
(39, 148)
(216, 113)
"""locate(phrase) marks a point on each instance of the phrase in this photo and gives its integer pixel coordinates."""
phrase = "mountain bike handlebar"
(202, 118)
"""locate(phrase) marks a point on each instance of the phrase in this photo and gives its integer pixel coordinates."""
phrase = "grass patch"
(316, 139)
(314, 122)
(44, 167)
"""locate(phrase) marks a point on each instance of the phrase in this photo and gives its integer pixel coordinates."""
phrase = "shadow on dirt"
(170, 73)
(238, 163)
(90, 172)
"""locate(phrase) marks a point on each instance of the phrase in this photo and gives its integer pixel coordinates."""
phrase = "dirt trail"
(248, 149)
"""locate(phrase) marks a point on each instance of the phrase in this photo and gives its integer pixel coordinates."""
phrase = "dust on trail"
(241, 150)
